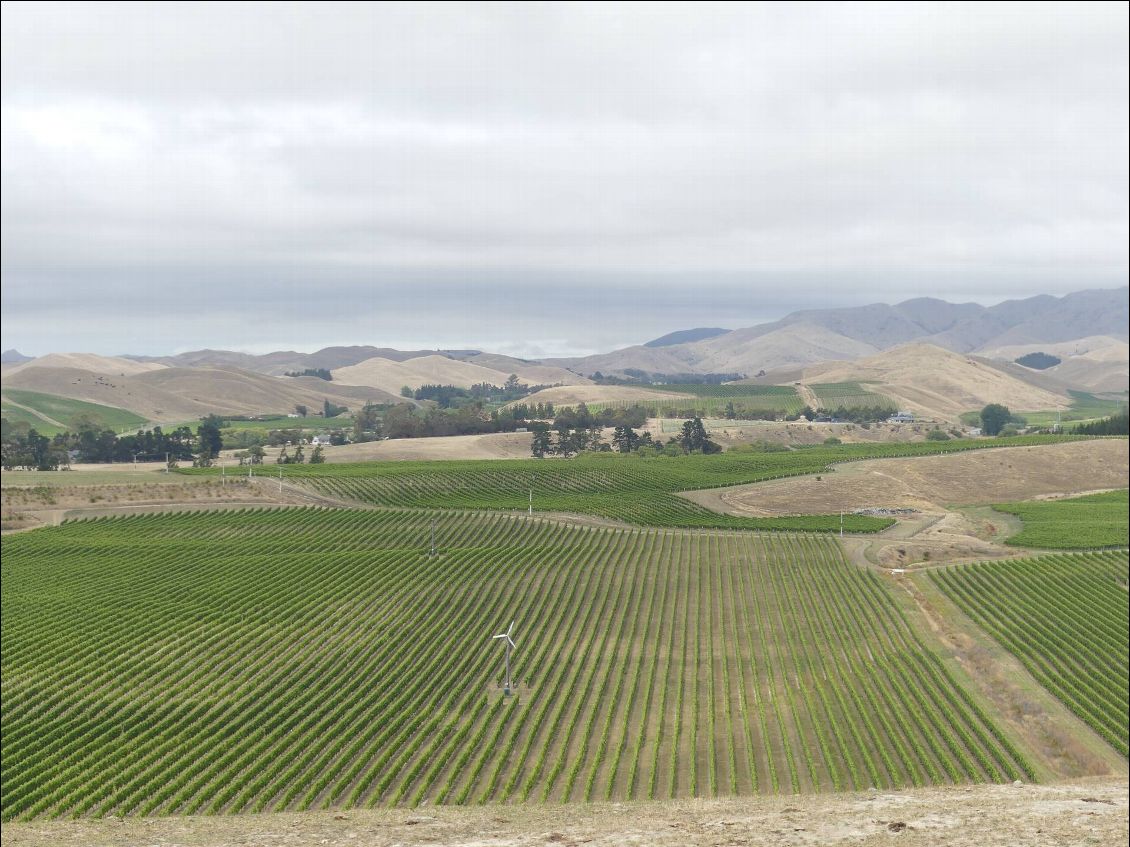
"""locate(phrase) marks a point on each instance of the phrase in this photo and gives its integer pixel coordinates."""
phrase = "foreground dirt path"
(1085, 812)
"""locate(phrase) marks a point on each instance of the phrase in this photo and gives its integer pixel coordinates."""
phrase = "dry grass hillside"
(748, 351)
(164, 394)
(390, 376)
(1098, 363)
(530, 373)
(106, 365)
(566, 395)
(937, 383)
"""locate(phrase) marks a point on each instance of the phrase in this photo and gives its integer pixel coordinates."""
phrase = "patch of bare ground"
(495, 445)
(1059, 745)
(1083, 812)
(28, 507)
(939, 531)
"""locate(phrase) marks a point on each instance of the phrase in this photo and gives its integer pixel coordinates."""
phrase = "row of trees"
(567, 441)
(454, 397)
(21, 446)
(1114, 425)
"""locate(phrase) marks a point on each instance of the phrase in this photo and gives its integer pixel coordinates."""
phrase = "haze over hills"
(935, 357)
(816, 335)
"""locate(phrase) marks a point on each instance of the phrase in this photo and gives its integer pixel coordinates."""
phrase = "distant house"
(973, 431)
(320, 440)
(901, 417)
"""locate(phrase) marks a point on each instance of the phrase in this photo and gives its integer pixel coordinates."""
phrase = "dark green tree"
(209, 438)
(540, 444)
(993, 418)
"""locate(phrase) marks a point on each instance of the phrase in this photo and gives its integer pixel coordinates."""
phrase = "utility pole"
(433, 550)
(280, 479)
(531, 503)
(223, 474)
(841, 523)
(166, 462)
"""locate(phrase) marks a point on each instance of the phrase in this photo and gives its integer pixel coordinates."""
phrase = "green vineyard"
(1065, 618)
(1095, 520)
(626, 488)
(304, 658)
(848, 395)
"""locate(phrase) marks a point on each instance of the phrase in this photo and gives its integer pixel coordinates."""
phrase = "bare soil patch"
(932, 483)
(108, 493)
(495, 445)
(1082, 812)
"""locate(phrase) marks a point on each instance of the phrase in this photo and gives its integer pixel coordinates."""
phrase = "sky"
(543, 179)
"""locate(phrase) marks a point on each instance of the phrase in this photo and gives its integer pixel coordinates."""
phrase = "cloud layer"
(544, 178)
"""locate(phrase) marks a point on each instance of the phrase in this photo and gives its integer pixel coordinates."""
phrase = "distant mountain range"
(934, 356)
(816, 335)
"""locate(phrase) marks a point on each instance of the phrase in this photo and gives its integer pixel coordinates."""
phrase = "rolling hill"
(814, 335)
(936, 383)
(167, 394)
(390, 375)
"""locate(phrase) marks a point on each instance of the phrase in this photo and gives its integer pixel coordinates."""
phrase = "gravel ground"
(1079, 813)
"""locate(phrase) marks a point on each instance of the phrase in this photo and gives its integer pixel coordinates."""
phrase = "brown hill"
(937, 383)
(91, 362)
(571, 395)
(1099, 364)
(440, 370)
(531, 373)
(171, 395)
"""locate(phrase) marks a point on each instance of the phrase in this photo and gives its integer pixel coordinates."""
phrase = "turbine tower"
(510, 645)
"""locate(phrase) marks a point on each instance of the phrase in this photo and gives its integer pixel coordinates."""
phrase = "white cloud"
(360, 145)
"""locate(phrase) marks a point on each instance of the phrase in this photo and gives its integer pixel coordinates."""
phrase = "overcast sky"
(537, 179)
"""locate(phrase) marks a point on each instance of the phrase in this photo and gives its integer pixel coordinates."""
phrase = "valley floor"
(1076, 813)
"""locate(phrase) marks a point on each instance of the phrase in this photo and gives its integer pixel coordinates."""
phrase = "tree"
(936, 435)
(367, 423)
(625, 439)
(406, 391)
(255, 454)
(208, 435)
(317, 457)
(301, 410)
(994, 417)
(730, 413)
(540, 444)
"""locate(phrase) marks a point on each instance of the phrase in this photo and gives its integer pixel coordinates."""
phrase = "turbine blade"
(510, 628)
(511, 640)
(500, 635)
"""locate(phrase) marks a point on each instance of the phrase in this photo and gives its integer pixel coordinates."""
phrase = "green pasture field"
(297, 659)
(1065, 618)
(848, 395)
(121, 474)
(1084, 408)
(671, 426)
(630, 488)
(1094, 520)
(774, 396)
(311, 422)
(63, 409)
(703, 406)
(710, 399)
